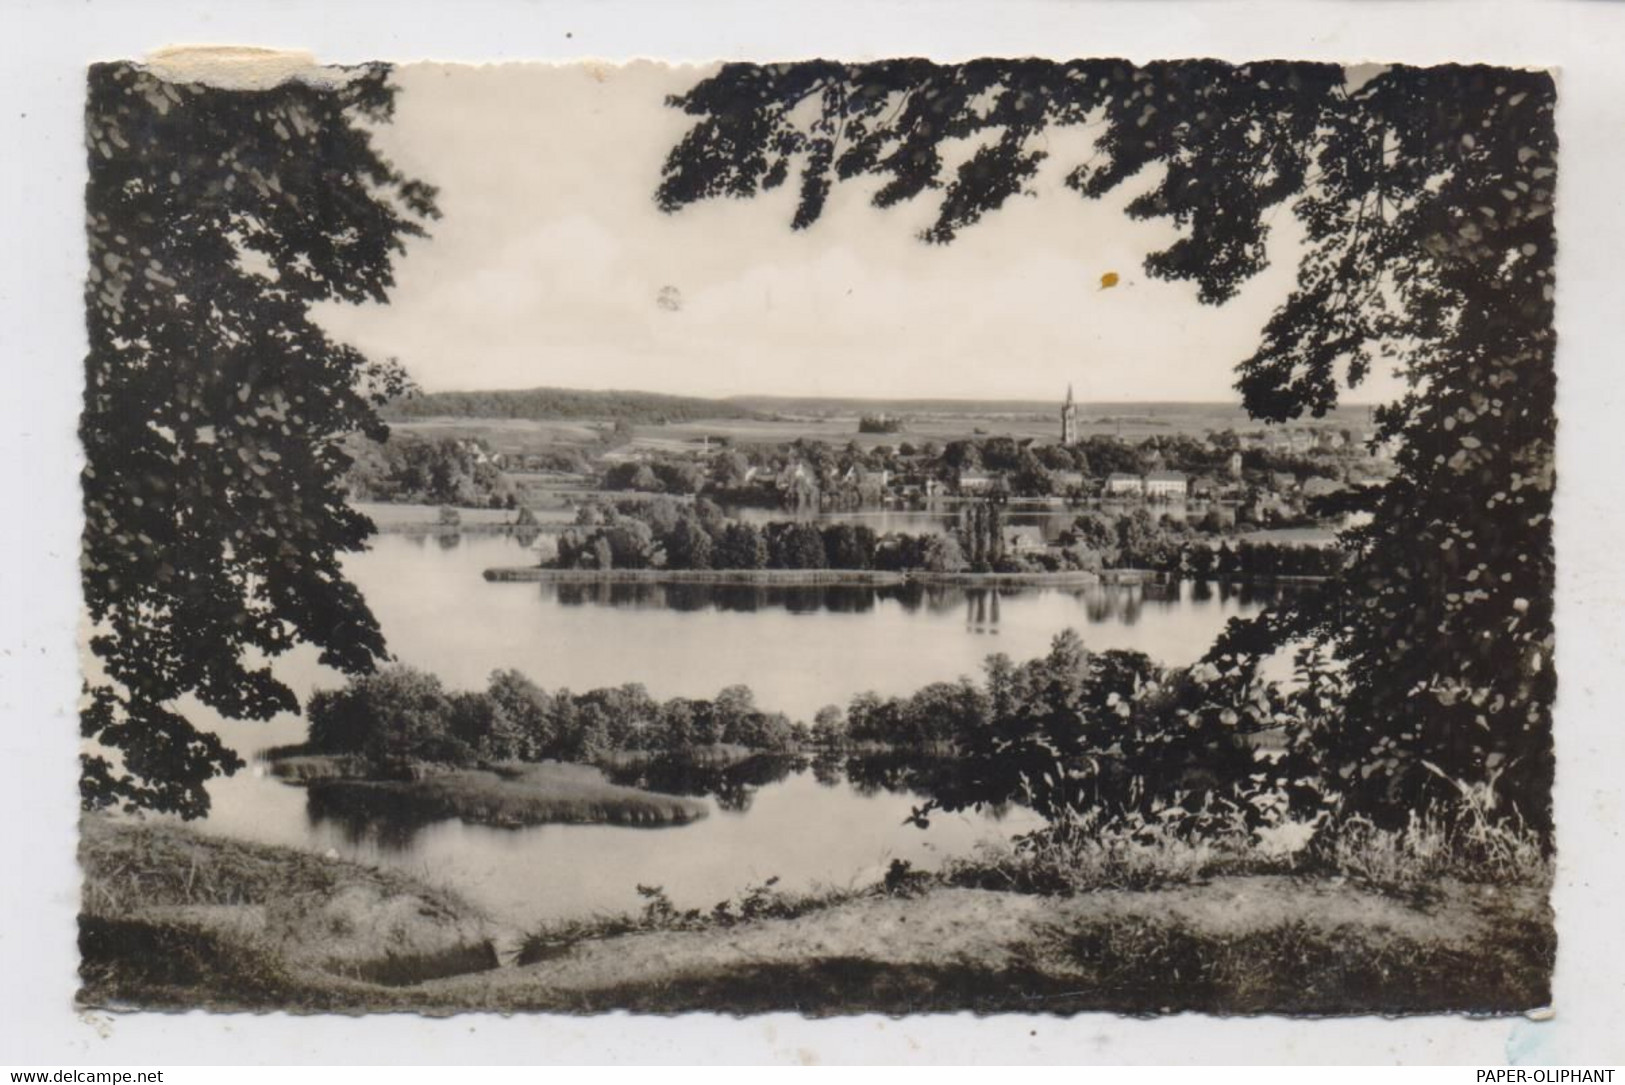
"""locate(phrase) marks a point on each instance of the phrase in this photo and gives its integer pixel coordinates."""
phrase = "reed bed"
(508, 797)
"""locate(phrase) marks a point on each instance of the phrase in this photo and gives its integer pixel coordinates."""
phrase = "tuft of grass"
(1459, 842)
(1088, 853)
(132, 865)
(1431, 847)
(509, 796)
(125, 961)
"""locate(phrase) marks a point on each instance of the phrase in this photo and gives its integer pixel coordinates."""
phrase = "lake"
(797, 648)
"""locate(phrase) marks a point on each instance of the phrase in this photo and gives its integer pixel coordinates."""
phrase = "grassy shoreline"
(507, 798)
(504, 795)
(172, 919)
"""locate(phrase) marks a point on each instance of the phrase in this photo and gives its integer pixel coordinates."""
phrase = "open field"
(507, 434)
(836, 422)
(1186, 415)
(839, 430)
(172, 918)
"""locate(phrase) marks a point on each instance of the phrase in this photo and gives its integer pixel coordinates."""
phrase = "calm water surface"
(797, 649)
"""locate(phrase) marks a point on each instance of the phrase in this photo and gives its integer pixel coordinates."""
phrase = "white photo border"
(42, 347)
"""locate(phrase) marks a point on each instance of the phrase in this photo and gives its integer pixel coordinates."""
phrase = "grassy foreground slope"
(173, 919)
(1261, 944)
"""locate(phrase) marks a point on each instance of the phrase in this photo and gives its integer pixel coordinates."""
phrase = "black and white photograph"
(837, 536)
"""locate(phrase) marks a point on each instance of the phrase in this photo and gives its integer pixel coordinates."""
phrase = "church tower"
(1069, 419)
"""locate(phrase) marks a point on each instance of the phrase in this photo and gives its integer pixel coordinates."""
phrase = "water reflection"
(828, 768)
(901, 772)
(387, 828)
(982, 611)
(731, 783)
(1101, 603)
(377, 820)
(798, 648)
(824, 820)
(739, 598)
(831, 820)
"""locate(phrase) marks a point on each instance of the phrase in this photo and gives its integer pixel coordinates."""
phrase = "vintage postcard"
(833, 537)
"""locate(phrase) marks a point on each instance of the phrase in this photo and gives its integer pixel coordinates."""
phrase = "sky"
(553, 266)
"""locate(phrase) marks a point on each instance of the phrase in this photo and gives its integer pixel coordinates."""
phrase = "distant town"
(1265, 475)
(629, 482)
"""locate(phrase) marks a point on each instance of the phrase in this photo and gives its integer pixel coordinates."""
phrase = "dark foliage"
(1426, 197)
(399, 718)
(661, 533)
(440, 471)
(214, 405)
(880, 423)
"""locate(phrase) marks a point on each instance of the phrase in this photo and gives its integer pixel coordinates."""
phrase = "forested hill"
(1212, 415)
(540, 403)
(843, 405)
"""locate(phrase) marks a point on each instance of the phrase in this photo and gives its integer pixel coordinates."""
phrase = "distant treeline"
(1029, 467)
(880, 423)
(673, 476)
(1137, 540)
(1068, 731)
(400, 717)
(438, 471)
(667, 534)
(970, 409)
(564, 403)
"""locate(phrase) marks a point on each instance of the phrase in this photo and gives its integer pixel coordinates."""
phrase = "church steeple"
(1069, 418)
